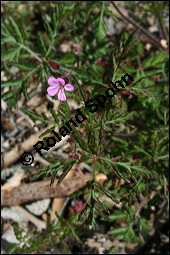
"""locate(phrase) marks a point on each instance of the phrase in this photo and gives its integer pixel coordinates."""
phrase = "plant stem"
(50, 46)
(94, 167)
(30, 51)
(33, 71)
(93, 170)
(74, 78)
(162, 30)
(151, 37)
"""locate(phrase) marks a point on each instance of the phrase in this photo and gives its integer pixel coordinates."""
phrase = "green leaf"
(101, 28)
(24, 67)
(130, 39)
(119, 140)
(32, 115)
(36, 116)
(59, 160)
(131, 4)
(47, 131)
(126, 167)
(129, 69)
(65, 172)
(106, 192)
(80, 141)
(48, 28)
(112, 251)
(24, 89)
(110, 13)
(6, 35)
(119, 230)
(163, 157)
(126, 46)
(130, 235)
(120, 175)
(54, 116)
(17, 31)
(137, 83)
(43, 172)
(146, 92)
(8, 94)
(125, 117)
(55, 19)
(79, 191)
(91, 219)
(117, 216)
(69, 59)
(103, 215)
(11, 96)
(144, 171)
(54, 173)
(119, 237)
(41, 44)
(101, 204)
(83, 75)
(18, 233)
(143, 226)
(122, 165)
(91, 6)
(11, 83)
(80, 73)
(155, 60)
(8, 39)
(87, 185)
(13, 249)
(10, 54)
(137, 149)
(65, 109)
(44, 117)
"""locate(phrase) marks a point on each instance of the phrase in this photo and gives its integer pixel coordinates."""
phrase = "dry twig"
(40, 190)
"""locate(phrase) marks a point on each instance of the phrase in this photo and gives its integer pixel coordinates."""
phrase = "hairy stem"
(94, 167)
(33, 71)
(49, 49)
(30, 51)
(74, 78)
(162, 30)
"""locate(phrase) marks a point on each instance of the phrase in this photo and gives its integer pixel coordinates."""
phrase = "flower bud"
(75, 156)
(65, 79)
(53, 64)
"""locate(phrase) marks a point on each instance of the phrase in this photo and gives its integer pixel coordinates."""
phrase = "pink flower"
(78, 207)
(58, 86)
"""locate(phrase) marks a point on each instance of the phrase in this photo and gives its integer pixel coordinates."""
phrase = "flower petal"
(69, 87)
(61, 95)
(60, 81)
(53, 81)
(53, 90)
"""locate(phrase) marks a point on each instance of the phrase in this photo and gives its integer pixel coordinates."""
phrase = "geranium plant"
(127, 140)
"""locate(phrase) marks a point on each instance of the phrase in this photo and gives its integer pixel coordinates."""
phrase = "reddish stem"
(151, 37)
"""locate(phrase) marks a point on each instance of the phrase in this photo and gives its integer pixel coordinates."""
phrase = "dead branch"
(13, 155)
(40, 224)
(39, 190)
